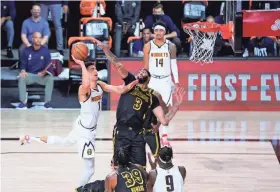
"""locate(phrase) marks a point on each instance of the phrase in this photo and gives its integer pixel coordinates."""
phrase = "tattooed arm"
(113, 59)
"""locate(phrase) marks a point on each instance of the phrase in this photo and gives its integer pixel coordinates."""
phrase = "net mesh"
(203, 37)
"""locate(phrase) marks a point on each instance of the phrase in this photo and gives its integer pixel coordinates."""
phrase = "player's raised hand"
(79, 62)
(101, 45)
(179, 95)
(129, 86)
(152, 163)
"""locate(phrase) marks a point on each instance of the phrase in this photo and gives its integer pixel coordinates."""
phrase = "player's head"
(144, 76)
(159, 30)
(210, 19)
(157, 10)
(122, 156)
(147, 34)
(165, 155)
(92, 71)
(36, 10)
(37, 38)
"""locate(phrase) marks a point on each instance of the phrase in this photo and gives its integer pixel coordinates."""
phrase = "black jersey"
(130, 179)
(96, 186)
(133, 105)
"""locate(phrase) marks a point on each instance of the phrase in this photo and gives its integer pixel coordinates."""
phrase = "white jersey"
(159, 59)
(169, 180)
(90, 108)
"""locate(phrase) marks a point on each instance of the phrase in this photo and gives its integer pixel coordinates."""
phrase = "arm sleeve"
(24, 28)
(46, 29)
(129, 78)
(170, 25)
(12, 10)
(23, 60)
(155, 102)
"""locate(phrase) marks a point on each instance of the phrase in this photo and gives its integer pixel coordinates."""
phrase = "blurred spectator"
(172, 33)
(194, 11)
(56, 13)
(261, 47)
(35, 68)
(127, 13)
(8, 14)
(222, 47)
(31, 25)
(139, 43)
(264, 5)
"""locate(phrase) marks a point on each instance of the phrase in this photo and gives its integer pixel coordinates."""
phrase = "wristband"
(164, 130)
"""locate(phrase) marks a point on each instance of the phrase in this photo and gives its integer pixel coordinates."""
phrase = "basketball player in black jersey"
(128, 177)
(132, 109)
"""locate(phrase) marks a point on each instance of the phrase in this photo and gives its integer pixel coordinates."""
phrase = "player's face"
(147, 35)
(159, 34)
(36, 11)
(37, 38)
(143, 76)
(93, 74)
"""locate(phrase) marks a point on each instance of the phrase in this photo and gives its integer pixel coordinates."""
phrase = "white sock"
(87, 172)
(56, 140)
(36, 139)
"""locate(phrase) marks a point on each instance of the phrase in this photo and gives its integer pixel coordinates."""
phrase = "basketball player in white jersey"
(167, 176)
(160, 59)
(84, 129)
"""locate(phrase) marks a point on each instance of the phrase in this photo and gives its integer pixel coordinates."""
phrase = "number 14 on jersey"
(159, 61)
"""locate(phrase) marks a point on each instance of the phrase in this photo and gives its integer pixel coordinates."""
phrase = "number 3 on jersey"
(159, 61)
(169, 183)
(138, 103)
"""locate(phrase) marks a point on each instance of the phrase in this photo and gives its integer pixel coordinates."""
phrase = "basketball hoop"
(203, 36)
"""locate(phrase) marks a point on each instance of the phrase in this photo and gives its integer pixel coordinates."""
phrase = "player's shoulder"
(147, 45)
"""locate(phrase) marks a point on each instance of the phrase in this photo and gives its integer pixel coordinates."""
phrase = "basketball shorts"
(85, 139)
(164, 87)
(133, 141)
(153, 141)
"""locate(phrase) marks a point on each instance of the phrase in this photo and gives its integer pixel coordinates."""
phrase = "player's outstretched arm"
(84, 89)
(113, 59)
(110, 182)
(146, 51)
(174, 66)
(151, 180)
(119, 89)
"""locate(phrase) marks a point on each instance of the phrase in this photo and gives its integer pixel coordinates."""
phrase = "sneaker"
(24, 139)
(47, 106)
(10, 53)
(22, 106)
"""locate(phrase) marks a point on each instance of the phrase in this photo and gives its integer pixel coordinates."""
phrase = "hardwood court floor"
(202, 141)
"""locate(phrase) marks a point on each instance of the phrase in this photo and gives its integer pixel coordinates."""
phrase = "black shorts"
(132, 140)
(153, 140)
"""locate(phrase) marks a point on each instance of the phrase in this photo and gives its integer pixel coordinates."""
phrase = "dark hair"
(147, 28)
(157, 6)
(89, 63)
(159, 22)
(122, 156)
(36, 4)
(148, 72)
(166, 154)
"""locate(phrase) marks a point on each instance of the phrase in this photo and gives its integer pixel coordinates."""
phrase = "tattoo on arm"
(172, 112)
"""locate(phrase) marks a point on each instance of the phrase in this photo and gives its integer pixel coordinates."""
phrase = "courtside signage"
(242, 85)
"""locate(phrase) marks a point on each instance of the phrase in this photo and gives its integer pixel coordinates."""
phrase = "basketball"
(80, 51)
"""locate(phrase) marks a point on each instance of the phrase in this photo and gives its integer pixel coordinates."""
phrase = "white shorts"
(164, 87)
(85, 139)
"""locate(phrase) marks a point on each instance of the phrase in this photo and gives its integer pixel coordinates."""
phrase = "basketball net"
(203, 36)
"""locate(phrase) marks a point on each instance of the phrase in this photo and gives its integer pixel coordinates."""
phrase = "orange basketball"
(80, 51)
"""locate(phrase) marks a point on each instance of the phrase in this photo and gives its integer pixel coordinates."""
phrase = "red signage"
(261, 23)
(227, 85)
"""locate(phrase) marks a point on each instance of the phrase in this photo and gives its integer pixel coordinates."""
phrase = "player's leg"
(153, 141)
(138, 150)
(88, 171)
(120, 139)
